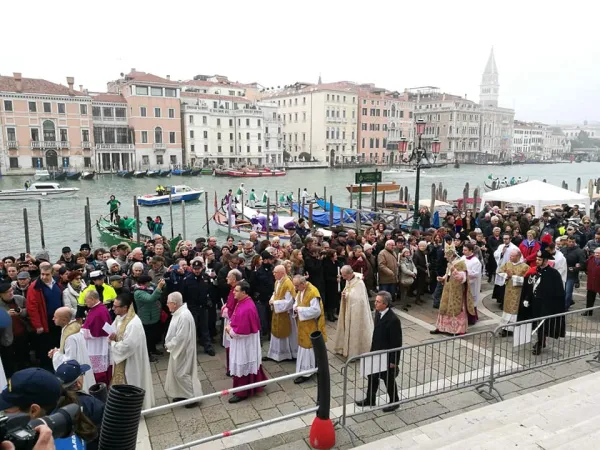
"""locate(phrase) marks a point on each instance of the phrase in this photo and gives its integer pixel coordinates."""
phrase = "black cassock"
(544, 293)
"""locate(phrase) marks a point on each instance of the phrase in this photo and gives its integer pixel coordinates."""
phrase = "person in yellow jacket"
(308, 308)
(106, 291)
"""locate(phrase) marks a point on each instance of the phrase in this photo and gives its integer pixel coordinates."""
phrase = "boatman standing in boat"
(282, 199)
(27, 184)
(252, 198)
(305, 195)
(241, 190)
(113, 208)
(265, 198)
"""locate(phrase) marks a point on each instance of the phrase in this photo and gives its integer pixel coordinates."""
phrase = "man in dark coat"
(263, 285)
(313, 264)
(543, 294)
(387, 335)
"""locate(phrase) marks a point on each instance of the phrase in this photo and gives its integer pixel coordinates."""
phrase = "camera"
(20, 429)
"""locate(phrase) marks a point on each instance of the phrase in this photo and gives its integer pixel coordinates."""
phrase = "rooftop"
(202, 95)
(36, 86)
(144, 77)
(306, 88)
(107, 98)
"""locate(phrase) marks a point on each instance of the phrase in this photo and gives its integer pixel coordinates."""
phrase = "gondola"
(182, 172)
(195, 172)
(152, 173)
(496, 185)
(125, 173)
(74, 176)
(59, 176)
(88, 175)
(164, 173)
(139, 173)
(109, 234)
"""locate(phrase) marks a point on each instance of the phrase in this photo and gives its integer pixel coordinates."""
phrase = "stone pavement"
(455, 363)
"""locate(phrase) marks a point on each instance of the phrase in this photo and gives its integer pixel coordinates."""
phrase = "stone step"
(573, 433)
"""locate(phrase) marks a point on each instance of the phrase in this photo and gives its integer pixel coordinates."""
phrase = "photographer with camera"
(30, 400)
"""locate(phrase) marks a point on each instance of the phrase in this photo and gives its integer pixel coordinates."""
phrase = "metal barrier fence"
(475, 359)
(158, 409)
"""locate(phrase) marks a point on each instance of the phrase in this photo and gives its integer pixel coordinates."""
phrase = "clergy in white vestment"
(502, 256)
(355, 323)
(182, 373)
(514, 272)
(560, 262)
(308, 309)
(474, 273)
(72, 345)
(129, 353)
(245, 353)
(284, 331)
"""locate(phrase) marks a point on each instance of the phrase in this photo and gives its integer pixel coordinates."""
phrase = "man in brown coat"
(387, 265)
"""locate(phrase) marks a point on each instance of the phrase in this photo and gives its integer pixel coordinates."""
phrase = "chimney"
(81, 88)
(71, 82)
(18, 81)
(169, 77)
(133, 69)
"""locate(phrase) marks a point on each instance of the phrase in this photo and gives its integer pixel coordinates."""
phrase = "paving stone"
(166, 440)
(240, 447)
(294, 435)
(221, 425)
(304, 401)
(365, 429)
(390, 422)
(279, 397)
(215, 414)
(212, 364)
(159, 392)
(377, 437)
(267, 443)
(192, 430)
(295, 445)
(184, 414)
(461, 401)
(420, 413)
(288, 408)
(261, 401)
(532, 379)
(365, 416)
(270, 413)
(161, 424)
(155, 378)
(243, 415)
(162, 374)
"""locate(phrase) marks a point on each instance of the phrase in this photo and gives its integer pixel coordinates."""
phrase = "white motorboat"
(401, 172)
(41, 175)
(38, 191)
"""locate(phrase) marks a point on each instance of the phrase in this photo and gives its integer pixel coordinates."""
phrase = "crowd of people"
(112, 311)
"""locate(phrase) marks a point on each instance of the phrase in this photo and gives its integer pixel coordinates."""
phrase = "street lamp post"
(419, 153)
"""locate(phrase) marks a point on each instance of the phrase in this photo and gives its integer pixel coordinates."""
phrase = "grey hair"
(390, 241)
(497, 228)
(93, 294)
(299, 279)
(347, 269)
(45, 266)
(236, 274)
(386, 297)
(137, 265)
(176, 298)
(422, 243)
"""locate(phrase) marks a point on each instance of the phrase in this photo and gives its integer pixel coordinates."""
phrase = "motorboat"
(41, 175)
(37, 191)
(88, 175)
(400, 170)
(367, 188)
(139, 173)
(251, 173)
(125, 173)
(178, 193)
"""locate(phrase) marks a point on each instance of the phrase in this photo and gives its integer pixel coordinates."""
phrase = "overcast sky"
(547, 56)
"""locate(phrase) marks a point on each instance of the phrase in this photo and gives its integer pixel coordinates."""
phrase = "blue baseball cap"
(29, 386)
(69, 371)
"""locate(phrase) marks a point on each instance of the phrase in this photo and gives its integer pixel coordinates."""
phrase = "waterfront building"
(154, 118)
(538, 141)
(113, 138)
(43, 125)
(318, 121)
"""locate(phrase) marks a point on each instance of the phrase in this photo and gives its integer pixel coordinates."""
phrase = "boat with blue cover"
(178, 193)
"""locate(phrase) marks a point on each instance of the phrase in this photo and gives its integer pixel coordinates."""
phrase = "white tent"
(535, 193)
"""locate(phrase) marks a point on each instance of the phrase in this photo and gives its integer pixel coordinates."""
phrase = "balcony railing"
(109, 119)
(87, 145)
(159, 147)
(12, 144)
(58, 145)
(115, 147)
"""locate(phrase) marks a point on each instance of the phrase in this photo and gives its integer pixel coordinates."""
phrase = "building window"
(219, 149)
(61, 108)
(205, 148)
(258, 122)
(218, 136)
(230, 122)
(170, 92)
(295, 117)
(13, 162)
(156, 112)
(143, 111)
(141, 90)
(218, 122)
(8, 106)
(247, 149)
(158, 135)
(259, 136)
(231, 149)
(82, 109)
(205, 134)
(191, 134)
(160, 160)
(144, 137)
(248, 136)
(204, 120)
(11, 134)
(108, 112)
(231, 136)
(48, 107)
(49, 131)
(37, 162)
(171, 137)
(35, 134)
(63, 135)
(191, 119)
(145, 160)
(193, 148)
(85, 135)
(173, 159)
(156, 92)
(171, 113)
(32, 107)
(364, 111)
(248, 122)
(259, 149)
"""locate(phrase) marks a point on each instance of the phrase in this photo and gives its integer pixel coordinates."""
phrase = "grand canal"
(64, 224)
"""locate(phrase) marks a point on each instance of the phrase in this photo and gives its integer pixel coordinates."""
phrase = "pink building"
(44, 125)
(154, 117)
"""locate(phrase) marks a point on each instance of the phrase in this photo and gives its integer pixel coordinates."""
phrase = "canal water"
(64, 224)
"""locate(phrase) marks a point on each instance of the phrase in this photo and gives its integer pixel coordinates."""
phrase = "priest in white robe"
(95, 336)
(129, 353)
(182, 373)
(72, 345)
(308, 309)
(355, 323)
(474, 273)
(502, 256)
(284, 331)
